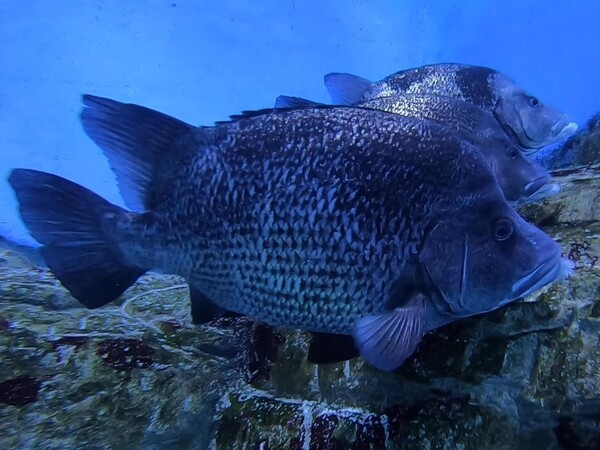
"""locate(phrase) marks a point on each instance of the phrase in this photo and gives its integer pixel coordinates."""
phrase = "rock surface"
(139, 375)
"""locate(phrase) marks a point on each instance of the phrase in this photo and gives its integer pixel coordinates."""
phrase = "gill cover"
(444, 261)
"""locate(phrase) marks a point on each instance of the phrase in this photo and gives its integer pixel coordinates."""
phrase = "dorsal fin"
(134, 139)
(346, 89)
(247, 114)
(285, 101)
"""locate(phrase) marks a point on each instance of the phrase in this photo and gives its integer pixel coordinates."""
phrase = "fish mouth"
(538, 189)
(562, 128)
(559, 130)
(553, 269)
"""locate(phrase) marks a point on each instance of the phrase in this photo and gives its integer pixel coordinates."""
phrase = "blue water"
(202, 61)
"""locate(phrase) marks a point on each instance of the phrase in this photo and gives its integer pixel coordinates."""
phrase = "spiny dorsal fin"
(247, 114)
(285, 101)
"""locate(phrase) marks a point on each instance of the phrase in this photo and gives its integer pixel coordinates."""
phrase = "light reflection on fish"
(521, 179)
(531, 123)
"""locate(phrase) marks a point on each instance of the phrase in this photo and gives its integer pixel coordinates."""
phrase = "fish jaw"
(543, 191)
(563, 127)
(553, 270)
(559, 131)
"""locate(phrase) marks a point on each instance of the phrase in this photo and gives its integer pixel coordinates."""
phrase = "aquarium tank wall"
(202, 63)
(172, 277)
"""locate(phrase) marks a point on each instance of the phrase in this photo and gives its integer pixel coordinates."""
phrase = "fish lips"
(553, 269)
(538, 189)
(558, 131)
(562, 128)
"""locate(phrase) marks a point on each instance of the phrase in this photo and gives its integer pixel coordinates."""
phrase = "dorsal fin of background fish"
(346, 89)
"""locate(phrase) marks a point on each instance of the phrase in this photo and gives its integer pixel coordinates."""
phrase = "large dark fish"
(305, 218)
(521, 179)
(530, 123)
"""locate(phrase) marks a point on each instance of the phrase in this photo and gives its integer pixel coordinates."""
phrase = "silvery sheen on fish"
(521, 179)
(531, 123)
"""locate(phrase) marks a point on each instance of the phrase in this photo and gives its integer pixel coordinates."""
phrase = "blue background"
(204, 60)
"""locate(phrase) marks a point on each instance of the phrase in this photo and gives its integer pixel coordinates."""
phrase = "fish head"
(533, 123)
(485, 257)
(521, 179)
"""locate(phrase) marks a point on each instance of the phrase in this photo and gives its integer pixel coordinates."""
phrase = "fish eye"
(503, 229)
(533, 101)
(512, 152)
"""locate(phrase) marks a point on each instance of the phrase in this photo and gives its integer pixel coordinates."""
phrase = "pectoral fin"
(386, 340)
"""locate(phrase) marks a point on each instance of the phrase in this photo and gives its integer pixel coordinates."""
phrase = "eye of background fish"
(503, 229)
(534, 101)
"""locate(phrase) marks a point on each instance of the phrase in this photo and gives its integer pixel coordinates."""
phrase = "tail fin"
(67, 219)
(134, 139)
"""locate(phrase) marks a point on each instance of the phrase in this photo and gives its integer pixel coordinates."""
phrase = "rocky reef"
(139, 375)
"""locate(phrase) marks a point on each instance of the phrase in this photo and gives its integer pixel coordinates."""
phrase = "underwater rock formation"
(139, 375)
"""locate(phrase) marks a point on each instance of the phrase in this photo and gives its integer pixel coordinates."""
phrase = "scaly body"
(340, 220)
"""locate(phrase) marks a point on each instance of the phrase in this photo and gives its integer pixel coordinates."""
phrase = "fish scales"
(334, 220)
(530, 123)
(473, 84)
(295, 224)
